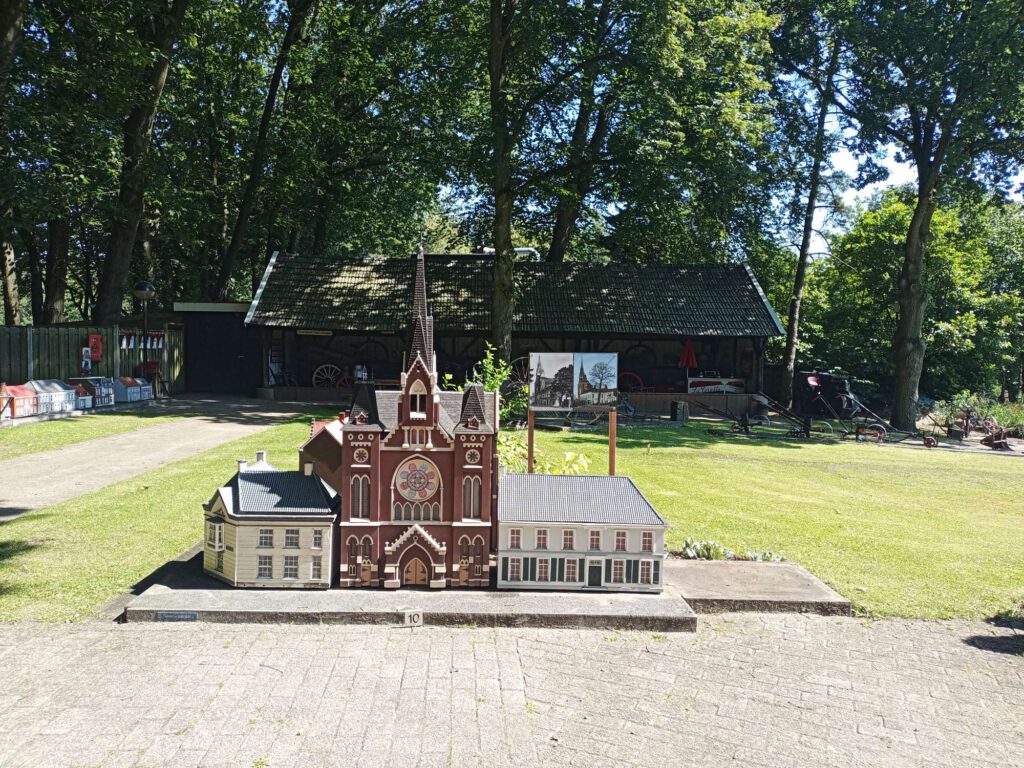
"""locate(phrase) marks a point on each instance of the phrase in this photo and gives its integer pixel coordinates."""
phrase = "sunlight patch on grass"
(47, 435)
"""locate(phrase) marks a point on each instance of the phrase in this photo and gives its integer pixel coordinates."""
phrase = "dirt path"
(42, 479)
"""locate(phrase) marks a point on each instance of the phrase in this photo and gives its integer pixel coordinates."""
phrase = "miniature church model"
(417, 472)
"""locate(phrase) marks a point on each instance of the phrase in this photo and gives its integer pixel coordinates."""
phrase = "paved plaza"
(746, 689)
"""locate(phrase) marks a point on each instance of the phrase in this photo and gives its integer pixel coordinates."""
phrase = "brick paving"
(747, 689)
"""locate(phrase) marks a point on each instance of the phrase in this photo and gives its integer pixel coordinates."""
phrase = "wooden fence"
(55, 352)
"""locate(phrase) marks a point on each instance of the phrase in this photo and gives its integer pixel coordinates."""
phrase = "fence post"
(29, 362)
(117, 351)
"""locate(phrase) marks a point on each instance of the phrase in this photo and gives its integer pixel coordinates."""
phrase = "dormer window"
(417, 401)
(360, 417)
(473, 422)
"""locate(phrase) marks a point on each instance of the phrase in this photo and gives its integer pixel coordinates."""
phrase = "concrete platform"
(180, 591)
(656, 613)
(719, 586)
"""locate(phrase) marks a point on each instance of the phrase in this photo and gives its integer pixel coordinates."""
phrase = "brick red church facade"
(417, 472)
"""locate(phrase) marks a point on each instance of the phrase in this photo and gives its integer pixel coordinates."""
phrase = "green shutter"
(630, 565)
(504, 569)
(533, 569)
(608, 571)
(657, 568)
(561, 569)
(581, 572)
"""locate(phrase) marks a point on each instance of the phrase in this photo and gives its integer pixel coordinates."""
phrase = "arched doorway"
(415, 573)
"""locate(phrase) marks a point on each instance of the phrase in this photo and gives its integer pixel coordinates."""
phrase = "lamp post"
(144, 291)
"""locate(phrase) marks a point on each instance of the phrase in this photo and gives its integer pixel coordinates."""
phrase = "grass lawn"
(899, 531)
(31, 438)
(64, 562)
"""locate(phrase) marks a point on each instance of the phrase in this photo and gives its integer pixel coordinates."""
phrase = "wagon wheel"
(630, 382)
(325, 376)
(876, 432)
(823, 427)
(345, 382)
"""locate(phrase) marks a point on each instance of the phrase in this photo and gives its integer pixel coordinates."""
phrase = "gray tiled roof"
(264, 492)
(375, 295)
(451, 408)
(600, 499)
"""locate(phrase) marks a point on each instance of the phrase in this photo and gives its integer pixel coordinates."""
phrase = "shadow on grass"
(14, 548)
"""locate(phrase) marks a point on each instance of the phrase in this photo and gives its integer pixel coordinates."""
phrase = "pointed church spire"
(422, 330)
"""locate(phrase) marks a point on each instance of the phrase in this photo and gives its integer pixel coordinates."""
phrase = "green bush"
(712, 550)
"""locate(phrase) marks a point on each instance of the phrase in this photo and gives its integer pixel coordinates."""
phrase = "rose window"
(417, 480)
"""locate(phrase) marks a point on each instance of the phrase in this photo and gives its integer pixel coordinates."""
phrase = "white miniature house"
(578, 533)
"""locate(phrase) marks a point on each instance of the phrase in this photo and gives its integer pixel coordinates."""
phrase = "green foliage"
(712, 550)
(972, 323)
(496, 375)
(512, 455)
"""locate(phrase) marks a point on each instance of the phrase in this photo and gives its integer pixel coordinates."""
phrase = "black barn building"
(335, 316)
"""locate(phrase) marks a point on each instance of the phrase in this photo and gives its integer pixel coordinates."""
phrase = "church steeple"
(422, 328)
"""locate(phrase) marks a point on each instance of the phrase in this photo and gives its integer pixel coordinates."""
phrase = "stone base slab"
(451, 607)
(721, 586)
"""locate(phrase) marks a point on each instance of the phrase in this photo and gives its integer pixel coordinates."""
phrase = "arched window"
(353, 553)
(417, 400)
(464, 549)
(361, 496)
(471, 497)
(367, 548)
(478, 556)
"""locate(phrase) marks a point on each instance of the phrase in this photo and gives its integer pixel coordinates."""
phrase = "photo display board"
(566, 380)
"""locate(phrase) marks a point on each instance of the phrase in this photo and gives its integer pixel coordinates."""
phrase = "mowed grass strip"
(47, 435)
(899, 531)
(64, 562)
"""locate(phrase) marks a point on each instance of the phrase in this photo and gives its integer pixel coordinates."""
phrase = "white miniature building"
(270, 528)
(570, 532)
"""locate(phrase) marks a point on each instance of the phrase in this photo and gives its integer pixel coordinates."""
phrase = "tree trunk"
(502, 17)
(583, 149)
(12, 20)
(813, 184)
(9, 282)
(298, 10)
(138, 132)
(58, 244)
(909, 344)
(35, 274)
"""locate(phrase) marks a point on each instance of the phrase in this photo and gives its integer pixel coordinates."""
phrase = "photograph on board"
(551, 380)
(596, 376)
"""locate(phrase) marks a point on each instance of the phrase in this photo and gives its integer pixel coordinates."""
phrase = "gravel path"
(747, 689)
(39, 480)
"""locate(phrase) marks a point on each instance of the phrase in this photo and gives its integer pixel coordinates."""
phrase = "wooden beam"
(612, 425)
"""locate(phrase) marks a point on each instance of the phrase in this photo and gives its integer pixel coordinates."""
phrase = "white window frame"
(618, 571)
(543, 569)
(269, 534)
(541, 532)
(624, 537)
(316, 568)
(515, 538)
(515, 569)
(471, 497)
(290, 533)
(360, 497)
(647, 541)
(647, 565)
(570, 570)
(590, 540)
(264, 561)
(568, 536)
(219, 564)
(293, 566)
(216, 536)
(318, 539)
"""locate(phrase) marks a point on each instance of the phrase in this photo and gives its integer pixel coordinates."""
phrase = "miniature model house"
(566, 532)
(269, 528)
(416, 470)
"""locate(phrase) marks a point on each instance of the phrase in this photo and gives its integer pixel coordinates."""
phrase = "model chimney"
(261, 456)
(242, 465)
(307, 468)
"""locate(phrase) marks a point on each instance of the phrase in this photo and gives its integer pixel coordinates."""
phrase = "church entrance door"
(415, 574)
